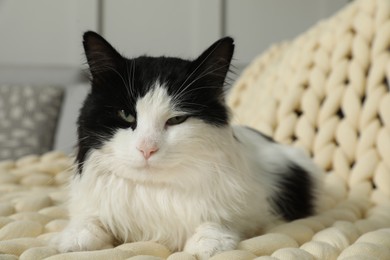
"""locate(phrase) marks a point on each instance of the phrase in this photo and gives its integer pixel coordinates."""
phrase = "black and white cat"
(158, 159)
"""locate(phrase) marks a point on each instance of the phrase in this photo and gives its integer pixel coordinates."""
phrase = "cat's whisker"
(204, 74)
(200, 64)
(104, 68)
(133, 74)
(130, 86)
(197, 89)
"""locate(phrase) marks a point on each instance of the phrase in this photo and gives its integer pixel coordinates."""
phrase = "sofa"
(326, 91)
(41, 116)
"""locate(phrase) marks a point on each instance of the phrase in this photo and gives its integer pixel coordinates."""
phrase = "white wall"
(47, 33)
(170, 27)
(41, 40)
(256, 24)
(44, 32)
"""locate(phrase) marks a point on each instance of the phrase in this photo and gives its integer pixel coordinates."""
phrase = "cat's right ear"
(101, 56)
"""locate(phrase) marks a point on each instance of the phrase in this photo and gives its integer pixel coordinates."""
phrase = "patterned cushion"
(28, 118)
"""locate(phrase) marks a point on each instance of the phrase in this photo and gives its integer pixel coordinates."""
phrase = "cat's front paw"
(210, 239)
(87, 238)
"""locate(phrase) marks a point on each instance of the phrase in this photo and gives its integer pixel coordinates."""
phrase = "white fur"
(202, 191)
(211, 238)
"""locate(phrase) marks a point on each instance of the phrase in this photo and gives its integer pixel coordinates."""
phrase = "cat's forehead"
(144, 73)
(156, 101)
(159, 68)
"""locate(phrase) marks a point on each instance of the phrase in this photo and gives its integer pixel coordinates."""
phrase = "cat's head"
(150, 112)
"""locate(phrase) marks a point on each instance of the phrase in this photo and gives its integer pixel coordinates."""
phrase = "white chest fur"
(170, 212)
(142, 212)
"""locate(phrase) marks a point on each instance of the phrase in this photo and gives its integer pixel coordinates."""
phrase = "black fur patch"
(296, 196)
(117, 83)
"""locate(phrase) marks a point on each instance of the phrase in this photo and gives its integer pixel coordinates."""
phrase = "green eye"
(126, 116)
(176, 120)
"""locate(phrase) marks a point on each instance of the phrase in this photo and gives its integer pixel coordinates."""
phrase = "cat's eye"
(126, 116)
(176, 120)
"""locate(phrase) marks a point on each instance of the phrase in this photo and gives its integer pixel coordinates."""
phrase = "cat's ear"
(213, 64)
(101, 56)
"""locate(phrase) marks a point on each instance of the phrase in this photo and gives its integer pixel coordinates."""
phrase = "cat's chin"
(150, 166)
(146, 175)
(146, 171)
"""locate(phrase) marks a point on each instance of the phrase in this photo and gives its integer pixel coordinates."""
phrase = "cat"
(158, 159)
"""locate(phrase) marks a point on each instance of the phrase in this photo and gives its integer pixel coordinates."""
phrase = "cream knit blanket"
(326, 92)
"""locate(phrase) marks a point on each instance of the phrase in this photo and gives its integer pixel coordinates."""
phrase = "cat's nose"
(148, 151)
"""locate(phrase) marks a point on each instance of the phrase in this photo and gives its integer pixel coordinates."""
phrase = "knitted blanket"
(326, 92)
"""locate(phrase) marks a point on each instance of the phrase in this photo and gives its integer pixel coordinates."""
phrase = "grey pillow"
(28, 119)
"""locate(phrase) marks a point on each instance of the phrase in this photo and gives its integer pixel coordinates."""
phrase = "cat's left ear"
(101, 56)
(213, 64)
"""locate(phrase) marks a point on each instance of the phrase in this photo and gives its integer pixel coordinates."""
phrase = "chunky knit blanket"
(326, 92)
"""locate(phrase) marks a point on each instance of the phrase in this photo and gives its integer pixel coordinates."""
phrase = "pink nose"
(147, 152)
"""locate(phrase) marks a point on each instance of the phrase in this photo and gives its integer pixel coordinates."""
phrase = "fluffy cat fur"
(158, 159)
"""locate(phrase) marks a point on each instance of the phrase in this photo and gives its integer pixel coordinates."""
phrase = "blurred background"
(41, 50)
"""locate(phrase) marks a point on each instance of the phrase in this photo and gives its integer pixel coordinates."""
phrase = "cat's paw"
(210, 239)
(87, 238)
